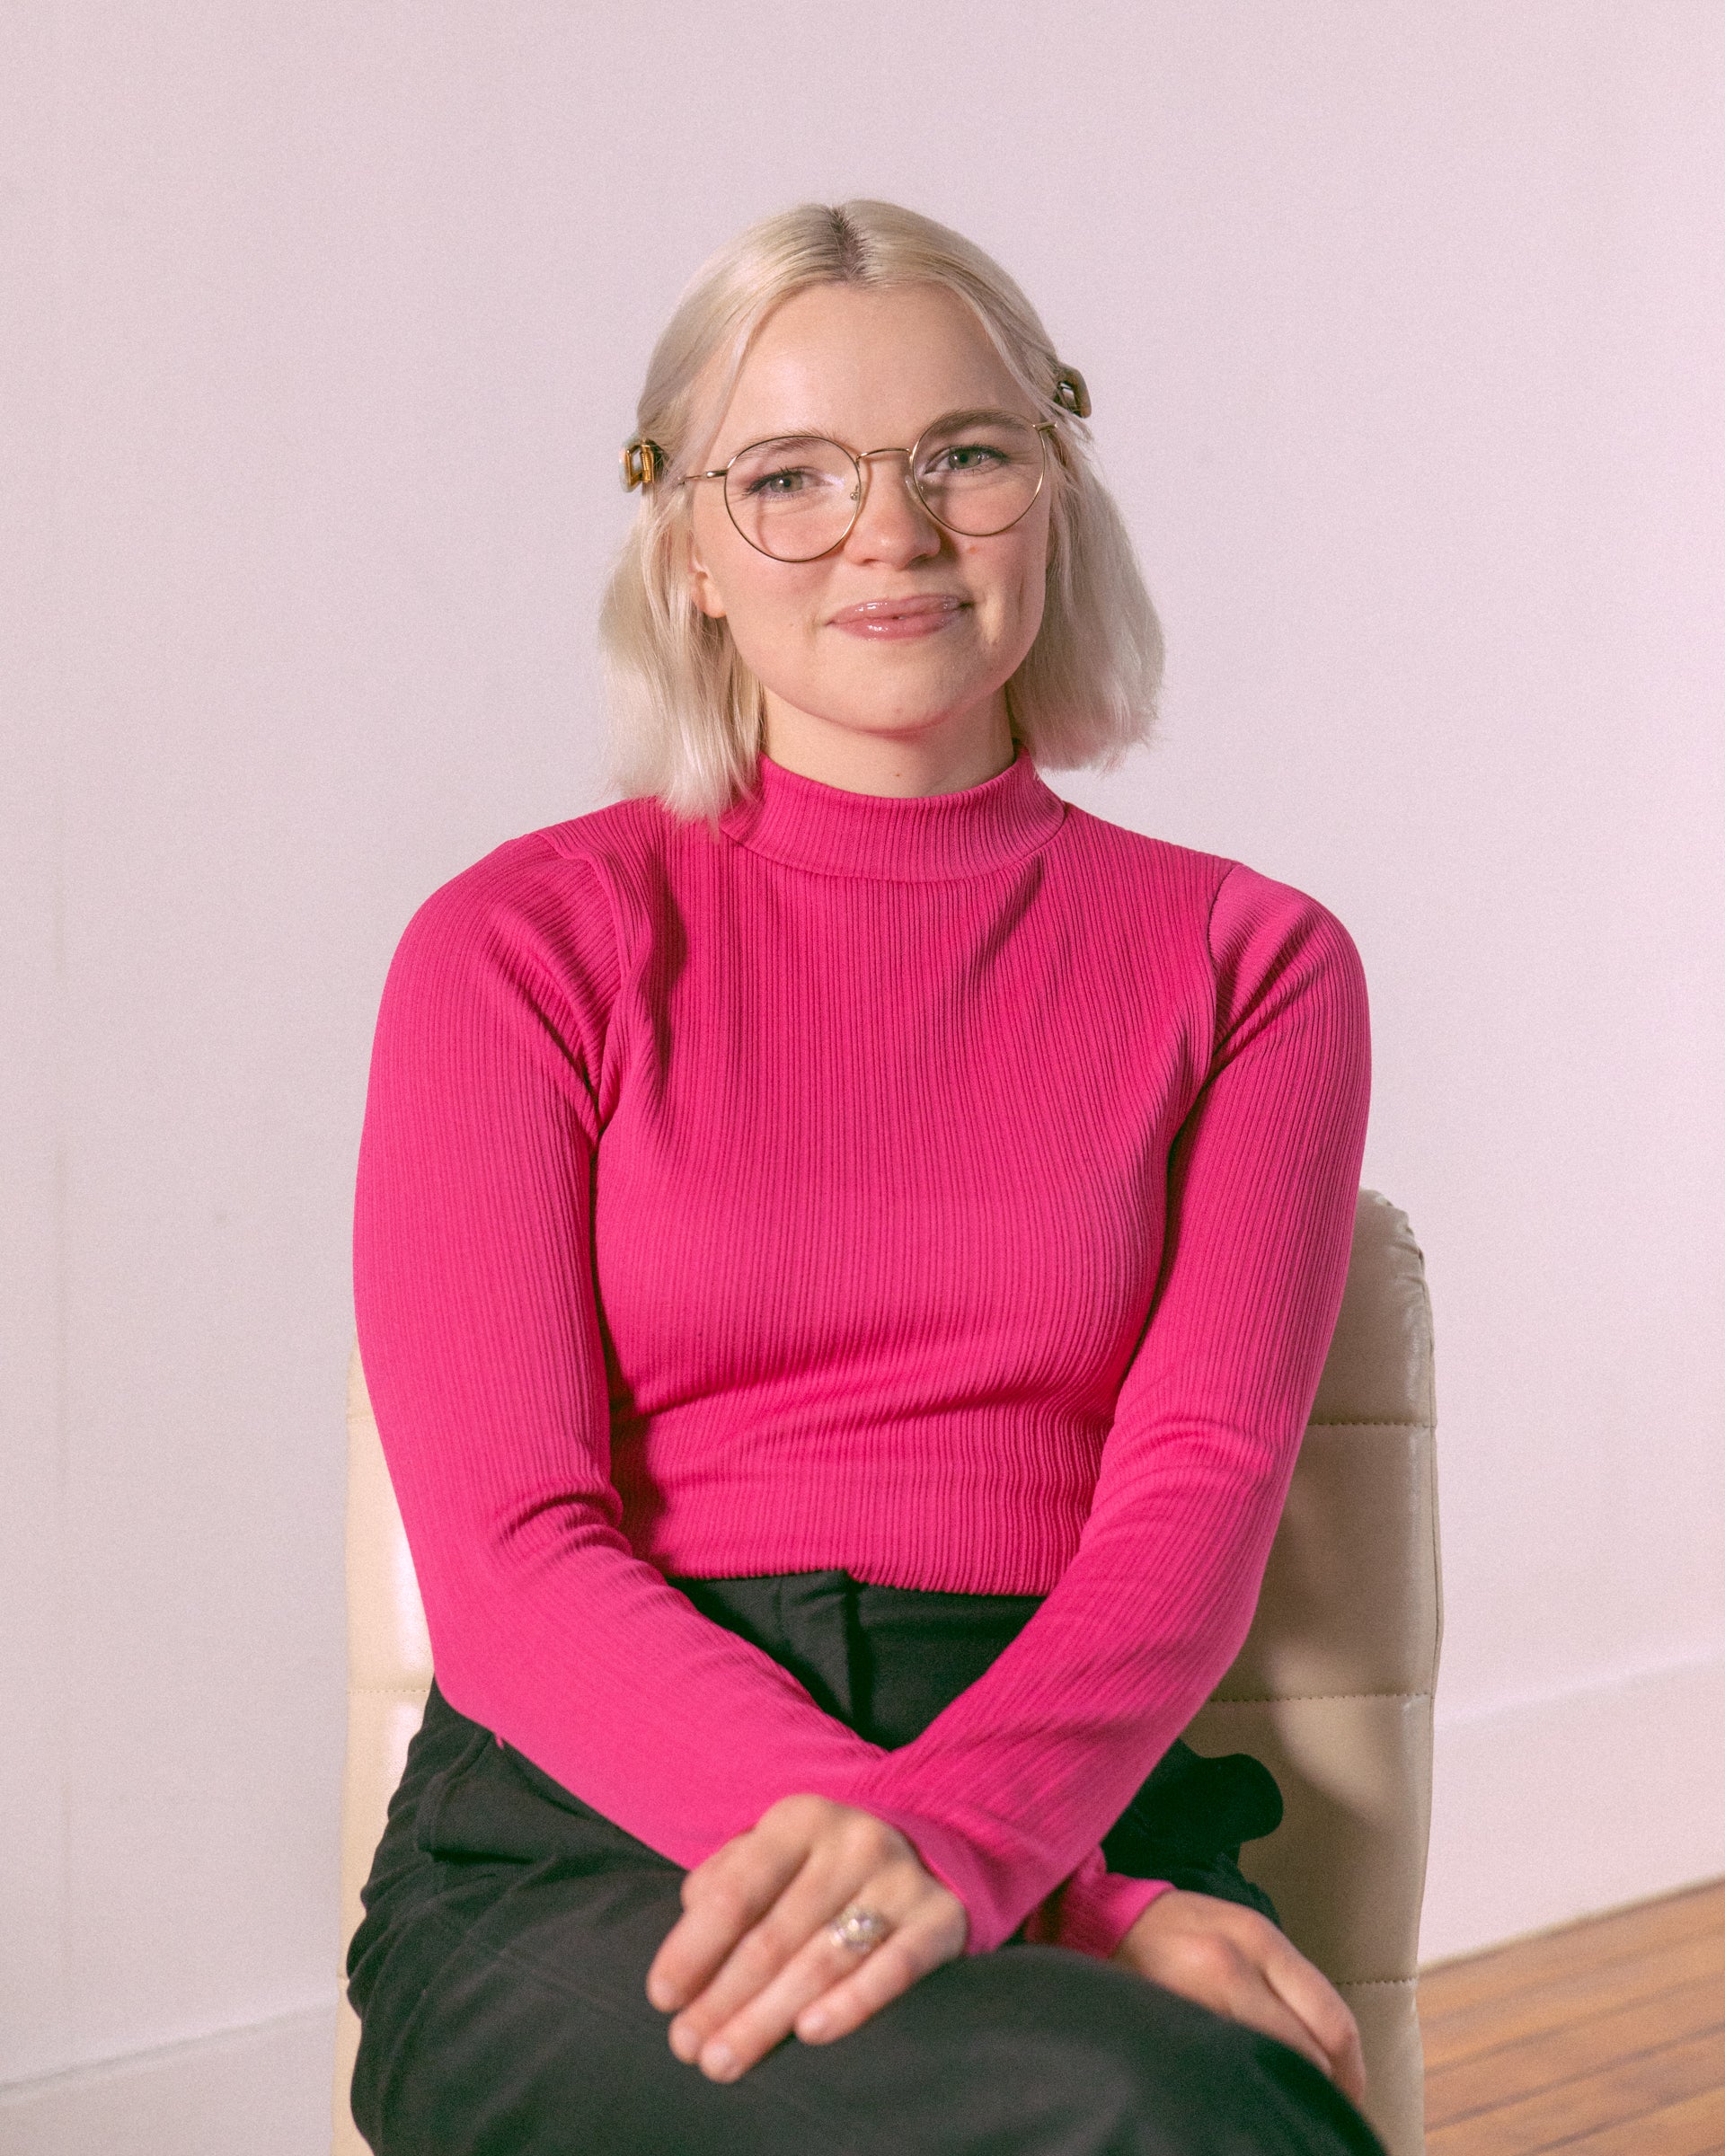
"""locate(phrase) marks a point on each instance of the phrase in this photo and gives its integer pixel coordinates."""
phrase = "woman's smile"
(917, 614)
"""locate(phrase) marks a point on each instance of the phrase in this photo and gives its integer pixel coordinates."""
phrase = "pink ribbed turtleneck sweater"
(955, 1191)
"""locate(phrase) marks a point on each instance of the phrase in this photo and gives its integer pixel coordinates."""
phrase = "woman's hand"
(750, 1958)
(1236, 1963)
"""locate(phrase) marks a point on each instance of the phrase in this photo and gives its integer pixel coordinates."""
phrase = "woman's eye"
(789, 478)
(962, 459)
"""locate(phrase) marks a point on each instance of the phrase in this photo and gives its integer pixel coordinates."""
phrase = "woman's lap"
(500, 1972)
(509, 2018)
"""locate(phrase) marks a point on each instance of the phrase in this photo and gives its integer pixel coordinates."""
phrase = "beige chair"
(1332, 1690)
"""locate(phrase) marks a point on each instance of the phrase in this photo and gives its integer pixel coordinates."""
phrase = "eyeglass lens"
(796, 497)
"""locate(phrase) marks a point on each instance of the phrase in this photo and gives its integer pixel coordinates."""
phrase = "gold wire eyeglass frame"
(859, 461)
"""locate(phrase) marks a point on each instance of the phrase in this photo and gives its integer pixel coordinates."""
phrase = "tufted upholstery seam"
(1375, 1984)
(1365, 1422)
(1290, 1699)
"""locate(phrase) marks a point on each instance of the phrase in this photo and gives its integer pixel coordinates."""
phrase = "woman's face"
(870, 370)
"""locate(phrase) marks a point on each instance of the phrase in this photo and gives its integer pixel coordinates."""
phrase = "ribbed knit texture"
(957, 1191)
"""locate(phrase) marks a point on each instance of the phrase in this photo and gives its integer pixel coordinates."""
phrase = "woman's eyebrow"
(826, 431)
(794, 432)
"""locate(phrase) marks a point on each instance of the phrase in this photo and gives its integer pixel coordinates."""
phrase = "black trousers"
(499, 1970)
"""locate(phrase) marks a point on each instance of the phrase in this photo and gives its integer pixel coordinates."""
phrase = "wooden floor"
(1604, 2039)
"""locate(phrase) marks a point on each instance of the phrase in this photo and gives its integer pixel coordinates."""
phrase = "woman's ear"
(701, 582)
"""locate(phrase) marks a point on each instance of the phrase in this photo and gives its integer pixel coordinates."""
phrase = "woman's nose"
(892, 526)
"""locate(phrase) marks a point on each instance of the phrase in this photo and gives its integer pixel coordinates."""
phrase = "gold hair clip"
(643, 461)
(1070, 393)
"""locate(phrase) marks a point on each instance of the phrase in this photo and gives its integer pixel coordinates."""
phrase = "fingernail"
(685, 2042)
(717, 2063)
(812, 2025)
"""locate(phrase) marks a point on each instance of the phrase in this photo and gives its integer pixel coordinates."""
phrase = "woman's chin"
(893, 695)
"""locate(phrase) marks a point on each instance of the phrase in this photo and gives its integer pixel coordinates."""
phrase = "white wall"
(1404, 326)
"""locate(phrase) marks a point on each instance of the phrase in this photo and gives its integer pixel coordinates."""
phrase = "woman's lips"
(921, 615)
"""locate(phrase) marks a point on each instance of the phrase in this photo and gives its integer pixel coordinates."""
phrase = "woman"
(845, 1244)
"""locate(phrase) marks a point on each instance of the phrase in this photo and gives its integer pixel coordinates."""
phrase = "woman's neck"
(944, 757)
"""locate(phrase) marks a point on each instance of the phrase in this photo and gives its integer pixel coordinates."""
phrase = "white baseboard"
(261, 2090)
(1548, 1810)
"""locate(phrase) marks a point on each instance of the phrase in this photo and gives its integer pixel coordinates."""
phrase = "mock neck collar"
(807, 825)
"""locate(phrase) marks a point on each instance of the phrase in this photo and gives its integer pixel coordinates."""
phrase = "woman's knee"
(1094, 2061)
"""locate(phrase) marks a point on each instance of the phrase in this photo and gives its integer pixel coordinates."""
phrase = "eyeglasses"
(798, 496)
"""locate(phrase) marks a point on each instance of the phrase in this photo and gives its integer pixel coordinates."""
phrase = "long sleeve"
(1007, 1790)
(481, 1347)
(1093, 1910)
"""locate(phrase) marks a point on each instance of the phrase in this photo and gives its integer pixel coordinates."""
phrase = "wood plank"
(1625, 2089)
(1586, 1994)
(1695, 2127)
(1626, 1933)
(1511, 2071)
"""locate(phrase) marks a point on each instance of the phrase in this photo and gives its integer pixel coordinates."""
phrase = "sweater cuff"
(1093, 1911)
(955, 1862)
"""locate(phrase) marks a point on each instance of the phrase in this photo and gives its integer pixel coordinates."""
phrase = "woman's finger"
(1237, 1963)
(842, 1849)
(795, 1929)
(900, 1961)
(722, 1900)
(755, 1947)
(823, 1987)
(1310, 1994)
(1255, 2002)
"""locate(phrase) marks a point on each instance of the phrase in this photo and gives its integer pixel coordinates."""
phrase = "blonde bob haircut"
(687, 711)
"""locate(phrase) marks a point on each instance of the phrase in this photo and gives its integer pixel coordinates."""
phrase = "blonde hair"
(687, 711)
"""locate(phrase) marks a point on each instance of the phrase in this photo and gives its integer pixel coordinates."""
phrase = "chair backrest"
(1332, 1690)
